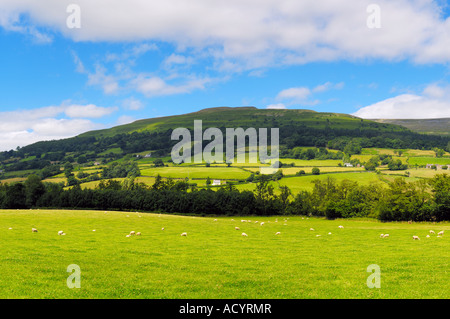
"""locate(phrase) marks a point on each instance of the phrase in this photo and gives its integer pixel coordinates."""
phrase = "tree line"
(425, 200)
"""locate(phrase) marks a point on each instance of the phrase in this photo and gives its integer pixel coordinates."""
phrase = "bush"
(315, 171)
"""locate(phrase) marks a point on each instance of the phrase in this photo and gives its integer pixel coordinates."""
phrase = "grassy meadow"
(214, 260)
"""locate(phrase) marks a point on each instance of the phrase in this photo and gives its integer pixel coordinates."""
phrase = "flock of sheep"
(440, 234)
(133, 233)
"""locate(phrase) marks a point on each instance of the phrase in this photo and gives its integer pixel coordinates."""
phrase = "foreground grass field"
(214, 260)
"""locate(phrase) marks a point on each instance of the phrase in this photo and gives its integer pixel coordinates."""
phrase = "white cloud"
(250, 33)
(302, 95)
(132, 104)
(156, 86)
(88, 111)
(298, 94)
(125, 119)
(278, 106)
(23, 127)
(433, 102)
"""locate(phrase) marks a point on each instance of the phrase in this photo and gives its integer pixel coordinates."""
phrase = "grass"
(197, 172)
(422, 161)
(297, 184)
(214, 260)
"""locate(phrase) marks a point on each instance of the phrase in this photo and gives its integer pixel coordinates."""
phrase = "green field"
(214, 260)
(197, 172)
(422, 161)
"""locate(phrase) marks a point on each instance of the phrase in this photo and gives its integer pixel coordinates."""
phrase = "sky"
(67, 67)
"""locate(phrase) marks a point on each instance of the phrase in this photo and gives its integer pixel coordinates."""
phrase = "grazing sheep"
(329, 233)
(381, 235)
(34, 230)
(311, 229)
(60, 232)
(132, 232)
(184, 234)
(9, 228)
(215, 220)
(386, 235)
(262, 223)
(243, 221)
(416, 238)
(277, 233)
(63, 234)
(237, 228)
(428, 236)
(341, 226)
(127, 235)
(317, 235)
(138, 234)
(162, 228)
(244, 234)
(93, 230)
(441, 233)
(432, 232)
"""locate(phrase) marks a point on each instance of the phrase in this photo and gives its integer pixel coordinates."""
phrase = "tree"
(34, 189)
(285, 193)
(438, 152)
(315, 171)
(158, 162)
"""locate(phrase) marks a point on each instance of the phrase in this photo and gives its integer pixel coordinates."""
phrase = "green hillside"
(245, 117)
(428, 126)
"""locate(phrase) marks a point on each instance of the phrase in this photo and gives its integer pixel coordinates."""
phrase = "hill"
(427, 126)
(241, 117)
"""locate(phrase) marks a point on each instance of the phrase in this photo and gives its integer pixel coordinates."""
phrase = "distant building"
(348, 165)
(148, 155)
(96, 163)
(216, 182)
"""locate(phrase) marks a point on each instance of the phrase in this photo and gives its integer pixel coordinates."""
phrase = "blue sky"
(142, 59)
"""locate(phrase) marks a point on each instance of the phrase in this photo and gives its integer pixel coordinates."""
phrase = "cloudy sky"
(67, 67)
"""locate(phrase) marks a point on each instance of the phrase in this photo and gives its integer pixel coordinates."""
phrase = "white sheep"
(341, 226)
(60, 232)
(244, 234)
(34, 230)
(262, 223)
(381, 235)
(237, 228)
(428, 236)
(132, 233)
(386, 235)
(93, 230)
(9, 228)
(138, 234)
(311, 229)
(441, 233)
(127, 235)
(162, 228)
(277, 233)
(317, 235)
(215, 220)
(432, 232)
(416, 238)
(184, 234)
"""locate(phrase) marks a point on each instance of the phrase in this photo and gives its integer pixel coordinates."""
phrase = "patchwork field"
(214, 260)
(197, 172)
